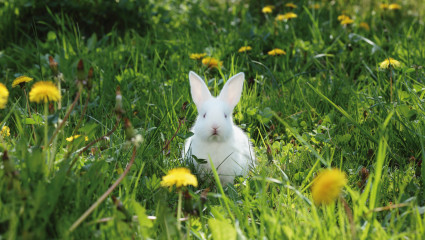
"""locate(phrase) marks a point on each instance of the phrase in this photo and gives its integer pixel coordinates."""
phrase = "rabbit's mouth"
(215, 132)
(215, 136)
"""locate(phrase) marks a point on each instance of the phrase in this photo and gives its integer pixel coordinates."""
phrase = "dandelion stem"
(179, 210)
(46, 151)
(66, 116)
(105, 195)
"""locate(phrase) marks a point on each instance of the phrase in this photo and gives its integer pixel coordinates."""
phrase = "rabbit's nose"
(215, 129)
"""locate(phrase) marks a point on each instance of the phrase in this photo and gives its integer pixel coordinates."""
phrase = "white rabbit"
(215, 135)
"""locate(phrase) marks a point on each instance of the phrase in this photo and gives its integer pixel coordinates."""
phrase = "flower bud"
(118, 103)
(80, 71)
(53, 66)
(129, 130)
(90, 78)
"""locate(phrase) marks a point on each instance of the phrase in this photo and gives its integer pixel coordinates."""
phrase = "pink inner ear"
(198, 89)
(232, 90)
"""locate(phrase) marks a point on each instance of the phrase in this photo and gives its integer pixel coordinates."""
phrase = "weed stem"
(105, 195)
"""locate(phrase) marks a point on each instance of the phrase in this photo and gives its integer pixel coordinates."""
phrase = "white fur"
(229, 147)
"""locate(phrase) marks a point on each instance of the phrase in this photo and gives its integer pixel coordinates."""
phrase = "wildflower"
(21, 81)
(280, 17)
(44, 91)
(179, 177)
(327, 186)
(286, 16)
(211, 62)
(276, 51)
(197, 56)
(245, 49)
(365, 26)
(5, 131)
(290, 5)
(394, 6)
(383, 6)
(389, 61)
(72, 138)
(347, 21)
(267, 9)
(4, 94)
(343, 17)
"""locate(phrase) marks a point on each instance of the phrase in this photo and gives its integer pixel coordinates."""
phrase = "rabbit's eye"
(205, 114)
(225, 115)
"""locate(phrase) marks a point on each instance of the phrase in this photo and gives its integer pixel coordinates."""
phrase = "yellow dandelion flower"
(267, 9)
(327, 186)
(365, 26)
(276, 51)
(4, 94)
(5, 131)
(389, 61)
(383, 6)
(394, 6)
(290, 15)
(179, 177)
(44, 92)
(280, 17)
(86, 138)
(211, 62)
(21, 80)
(286, 16)
(245, 49)
(347, 21)
(290, 5)
(197, 56)
(343, 17)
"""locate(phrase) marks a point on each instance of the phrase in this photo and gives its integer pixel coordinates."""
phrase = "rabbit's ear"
(198, 89)
(232, 90)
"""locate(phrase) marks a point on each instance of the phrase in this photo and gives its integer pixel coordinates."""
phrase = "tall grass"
(325, 104)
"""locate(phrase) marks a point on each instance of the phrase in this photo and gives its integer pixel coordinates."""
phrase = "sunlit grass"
(319, 94)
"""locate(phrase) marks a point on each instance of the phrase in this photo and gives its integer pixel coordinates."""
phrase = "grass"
(325, 104)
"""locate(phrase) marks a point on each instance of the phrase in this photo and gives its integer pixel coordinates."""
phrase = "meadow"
(96, 106)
